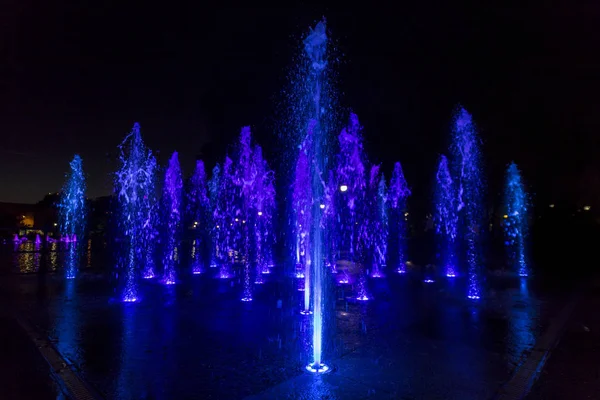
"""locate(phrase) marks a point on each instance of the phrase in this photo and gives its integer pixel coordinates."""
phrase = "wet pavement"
(23, 372)
(197, 340)
(573, 369)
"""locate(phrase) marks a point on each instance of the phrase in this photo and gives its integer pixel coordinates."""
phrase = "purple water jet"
(134, 188)
(351, 205)
(445, 218)
(467, 159)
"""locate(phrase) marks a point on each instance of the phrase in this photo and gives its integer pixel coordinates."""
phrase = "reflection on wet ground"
(27, 257)
(197, 340)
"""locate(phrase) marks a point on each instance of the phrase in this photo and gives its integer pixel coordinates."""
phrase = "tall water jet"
(135, 190)
(197, 211)
(445, 218)
(467, 158)
(315, 46)
(72, 213)
(172, 192)
(398, 196)
(515, 219)
(302, 205)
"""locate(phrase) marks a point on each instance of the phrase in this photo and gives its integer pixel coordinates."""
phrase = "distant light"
(236, 220)
(322, 206)
(244, 221)
(343, 188)
(217, 226)
(55, 224)
(587, 208)
(505, 216)
(406, 214)
(428, 281)
(363, 298)
(260, 213)
(195, 222)
(551, 205)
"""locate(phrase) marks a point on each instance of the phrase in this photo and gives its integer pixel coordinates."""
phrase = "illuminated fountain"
(376, 224)
(467, 159)
(515, 219)
(225, 234)
(302, 204)
(135, 191)
(197, 212)
(245, 176)
(445, 218)
(72, 213)
(215, 216)
(252, 200)
(172, 192)
(319, 109)
(264, 205)
(351, 203)
(398, 195)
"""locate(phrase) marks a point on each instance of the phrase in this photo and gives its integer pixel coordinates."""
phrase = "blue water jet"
(135, 192)
(72, 214)
(214, 185)
(445, 218)
(470, 186)
(315, 46)
(515, 219)
(399, 193)
(172, 201)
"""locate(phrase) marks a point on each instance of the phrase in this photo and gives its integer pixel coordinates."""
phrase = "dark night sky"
(76, 76)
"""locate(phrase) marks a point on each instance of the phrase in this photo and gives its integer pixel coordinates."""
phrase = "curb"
(71, 384)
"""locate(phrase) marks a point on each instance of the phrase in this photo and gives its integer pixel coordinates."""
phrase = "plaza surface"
(197, 340)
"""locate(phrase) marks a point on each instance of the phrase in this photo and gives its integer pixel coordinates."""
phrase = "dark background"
(76, 75)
